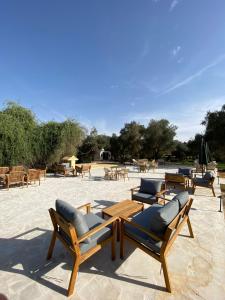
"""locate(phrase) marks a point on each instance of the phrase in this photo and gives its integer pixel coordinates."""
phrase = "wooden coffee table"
(125, 208)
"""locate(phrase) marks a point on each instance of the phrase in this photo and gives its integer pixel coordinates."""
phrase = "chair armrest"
(135, 188)
(87, 206)
(161, 193)
(141, 228)
(96, 229)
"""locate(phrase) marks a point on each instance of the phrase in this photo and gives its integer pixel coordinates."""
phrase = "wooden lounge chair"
(14, 178)
(82, 235)
(149, 191)
(176, 180)
(33, 175)
(82, 170)
(207, 182)
(155, 229)
(61, 169)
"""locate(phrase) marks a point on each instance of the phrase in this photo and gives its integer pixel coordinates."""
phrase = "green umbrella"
(204, 154)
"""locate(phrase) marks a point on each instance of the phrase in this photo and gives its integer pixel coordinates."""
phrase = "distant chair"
(33, 175)
(63, 170)
(14, 178)
(176, 180)
(109, 174)
(212, 166)
(153, 165)
(207, 182)
(83, 169)
(123, 173)
(3, 172)
(82, 235)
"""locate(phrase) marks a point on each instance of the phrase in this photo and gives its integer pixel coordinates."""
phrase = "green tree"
(215, 132)
(180, 150)
(158, 138)
(131, 140)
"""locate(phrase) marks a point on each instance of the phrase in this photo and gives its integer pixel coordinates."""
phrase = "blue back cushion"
(150, 186)
(185, 171)
(208, 176)
(182, 199)
(161, 216)
(74, 216)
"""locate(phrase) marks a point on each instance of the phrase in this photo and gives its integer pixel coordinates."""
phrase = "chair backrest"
(15, 177)
(175, 227)
(86, 167)
(33, 174)
(176, 178)
(17, 169)
(4, 170)
(65, 230)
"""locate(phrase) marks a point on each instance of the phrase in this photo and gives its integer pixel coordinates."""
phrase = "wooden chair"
(149, 191)
(207, 182)
(109, 174)
(176, 180)
(61, 169)
(81, 251)
(3, 172)
(136, 231)
(15, 178)
(33, 175)
(123, 173)
(82, 170)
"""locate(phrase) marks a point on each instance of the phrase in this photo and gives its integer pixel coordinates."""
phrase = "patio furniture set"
(116, 173)
(20, 175)
(153, 230)
(80, 170)
(144, 165)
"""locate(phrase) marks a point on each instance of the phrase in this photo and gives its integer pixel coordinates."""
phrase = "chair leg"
(113, 242)
(52, 245)
(73, 277)
(166, 275)
(122, 240)
(190, 227)
(213, 191)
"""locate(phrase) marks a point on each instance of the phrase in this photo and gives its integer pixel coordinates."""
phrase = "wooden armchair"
(17, 169)
(149, 191)
(82, 170)
(14, 178)
(82, 235)
(33, 175)
(3, 172)
(63, 170)
(207, 182)
(176, 180)
(154, 238)
(109, 174)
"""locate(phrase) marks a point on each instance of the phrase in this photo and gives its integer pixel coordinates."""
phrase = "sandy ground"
(196, 266)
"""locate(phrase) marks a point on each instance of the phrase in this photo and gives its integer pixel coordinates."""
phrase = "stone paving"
(196, 266)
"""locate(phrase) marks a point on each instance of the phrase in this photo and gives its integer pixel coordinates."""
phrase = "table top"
(124, 208)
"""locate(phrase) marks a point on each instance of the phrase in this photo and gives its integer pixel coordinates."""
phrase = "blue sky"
(107, 62)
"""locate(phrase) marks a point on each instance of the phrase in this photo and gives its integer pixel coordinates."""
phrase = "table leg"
(118, 230)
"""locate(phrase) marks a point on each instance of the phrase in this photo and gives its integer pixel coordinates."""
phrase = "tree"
(131, 140)
(215, 132)
(194, 145)
(181, 150)
(158, 138)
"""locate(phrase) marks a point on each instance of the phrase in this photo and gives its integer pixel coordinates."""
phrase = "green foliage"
(215, 132)
(158, 138)
(180, 150)
(24, 141)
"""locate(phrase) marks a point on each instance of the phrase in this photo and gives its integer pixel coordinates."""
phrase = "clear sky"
(107, 62)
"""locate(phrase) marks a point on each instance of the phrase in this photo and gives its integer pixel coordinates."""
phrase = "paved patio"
(197, 266)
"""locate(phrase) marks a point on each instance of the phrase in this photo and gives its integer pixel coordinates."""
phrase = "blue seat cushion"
(201, 181)
(74, 216)
(138, 235)
(145, 198)
(182, 199)
(150, 186)
(93, 221)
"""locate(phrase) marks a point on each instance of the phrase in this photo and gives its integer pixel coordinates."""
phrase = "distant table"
(125, 208)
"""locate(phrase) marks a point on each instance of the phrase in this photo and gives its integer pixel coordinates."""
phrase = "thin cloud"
(175, 51)
(194, 76)
(173, 4)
